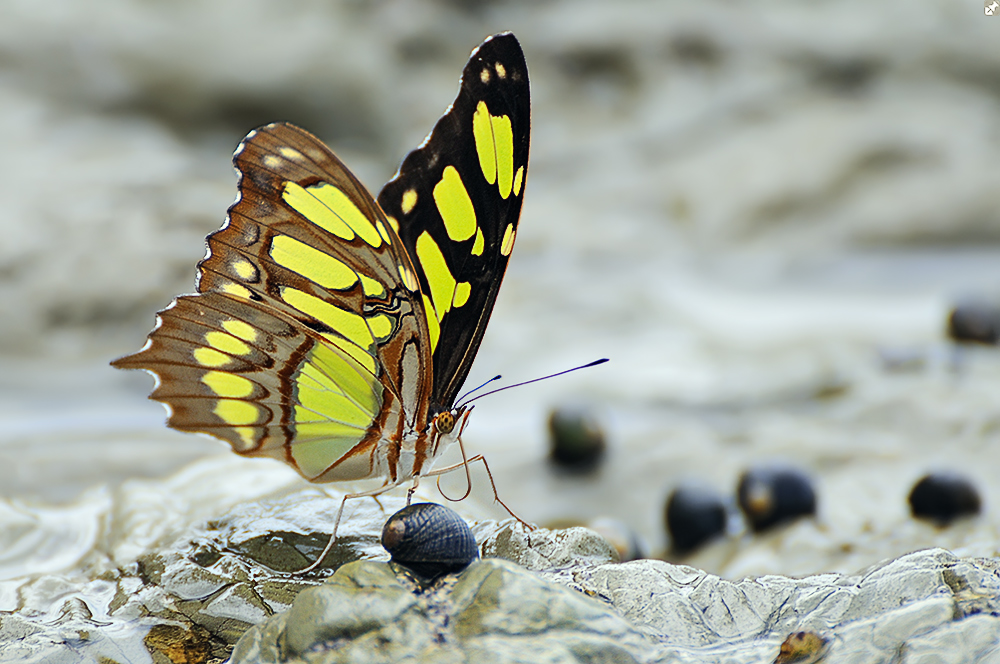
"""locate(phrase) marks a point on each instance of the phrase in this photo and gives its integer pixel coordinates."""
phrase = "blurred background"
(761, 212)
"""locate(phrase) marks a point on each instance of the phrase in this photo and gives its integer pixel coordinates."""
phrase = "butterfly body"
(331, 331)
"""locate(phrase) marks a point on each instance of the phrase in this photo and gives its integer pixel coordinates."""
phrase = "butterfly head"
(447, 425)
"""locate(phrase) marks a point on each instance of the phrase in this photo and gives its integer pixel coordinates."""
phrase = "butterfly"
(334, 331)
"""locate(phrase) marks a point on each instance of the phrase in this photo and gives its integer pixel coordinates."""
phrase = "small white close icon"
(992, 8)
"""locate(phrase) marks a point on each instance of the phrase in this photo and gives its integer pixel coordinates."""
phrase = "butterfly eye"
(445, 422)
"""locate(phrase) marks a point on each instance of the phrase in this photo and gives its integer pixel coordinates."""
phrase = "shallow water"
(763, 229)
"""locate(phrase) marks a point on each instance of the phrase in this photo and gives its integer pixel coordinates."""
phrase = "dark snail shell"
(943, 497)
(694, 515)
(576, 439)
(770, 496)
(974, 322)
(429, 539)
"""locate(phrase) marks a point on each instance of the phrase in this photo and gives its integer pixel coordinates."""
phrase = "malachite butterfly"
(333, 331)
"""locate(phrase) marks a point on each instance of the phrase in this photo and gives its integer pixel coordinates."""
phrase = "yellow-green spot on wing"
(306, 203)
(338, 203)
(346, 323)
(372, 287)
(227, 384)
(312, 263)
(494, 139)
(236, 413)
(518, 180)
(247, 439)
(320, 405)
(383, 232)
(455, 206)
(409, 201)
(241, 329)
(227, 343)
(433, 326)
(439, 278)
(503, 138)
(235, 290)
(482, 132)
(209, 357)
(477, 246)
(507, 245)
(244, 269)
(381, 326)
(463, 290)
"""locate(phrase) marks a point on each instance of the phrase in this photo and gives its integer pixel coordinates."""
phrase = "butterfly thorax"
(414, 452)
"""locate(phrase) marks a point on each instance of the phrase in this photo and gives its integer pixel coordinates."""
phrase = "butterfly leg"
(465, 464)
(412, 489)
(340, 513)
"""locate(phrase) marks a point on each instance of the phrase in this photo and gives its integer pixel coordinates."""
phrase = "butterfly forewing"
(457, 200)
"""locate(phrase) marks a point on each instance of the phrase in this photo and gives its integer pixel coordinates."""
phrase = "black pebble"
(693, 516)
(429, 539)
(769, 496)
(943, 497)
(576, 439)
(975, 323)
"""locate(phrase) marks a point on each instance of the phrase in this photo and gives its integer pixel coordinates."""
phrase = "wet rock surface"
(644, 611)
(495, 611)
(536, 595)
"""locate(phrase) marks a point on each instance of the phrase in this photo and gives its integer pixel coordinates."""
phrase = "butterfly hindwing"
(304, 342)
(457, 200)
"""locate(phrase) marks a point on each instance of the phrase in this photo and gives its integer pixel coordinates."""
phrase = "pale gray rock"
(196, 590)
(871, 616)
(900, 610)
(541, 548)
(494, 611)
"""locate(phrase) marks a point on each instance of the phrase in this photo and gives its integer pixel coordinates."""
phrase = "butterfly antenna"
(476, 389)
(535, 380)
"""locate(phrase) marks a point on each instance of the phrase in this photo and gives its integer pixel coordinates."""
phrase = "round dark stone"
(944, 497)
(693, 516)
(576, 439)
(974, 323)
(430, 540)
(769, 496)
